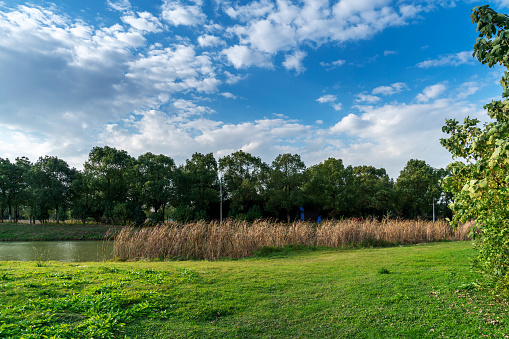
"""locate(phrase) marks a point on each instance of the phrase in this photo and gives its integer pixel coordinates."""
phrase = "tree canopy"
(479, 180)
(116, 187)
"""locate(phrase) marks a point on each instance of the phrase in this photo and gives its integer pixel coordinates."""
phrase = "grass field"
(52, 231)
(418, 291)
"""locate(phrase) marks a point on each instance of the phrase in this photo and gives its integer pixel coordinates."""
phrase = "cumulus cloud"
(242, 56)
(119, 5)
(178, 13)
(370, 99)
(431, 92)
(390, 135)
(229, 95)
(207, 40)
(448, 60)
(174, 69)
(390, 90)
(331, 99)
(294, 61)
(270, 27)
(327, 98)
(143, 21)
(180, 137)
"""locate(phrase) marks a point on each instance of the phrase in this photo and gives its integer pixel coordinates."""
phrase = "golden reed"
(238, 239)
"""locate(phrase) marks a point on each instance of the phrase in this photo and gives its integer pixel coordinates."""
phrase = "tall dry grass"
(238, 239)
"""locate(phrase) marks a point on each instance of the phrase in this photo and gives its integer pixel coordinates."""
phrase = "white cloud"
(207, 40)
(448, 60)
(370, 99)
(386, 53)
(272, 28)
(232, 79)
(331, 99)
(254, 10)
(144, 21)
(390, 90)
(337, 106)
(333, 64)
(431, 92)
(327, 98)
(120, 5)
(180, 137)
(242, 56)
(294, 61)
(267, 36)
(468, 88)
(229, 95)
(173, 70)
(390, 135)
(177, 13)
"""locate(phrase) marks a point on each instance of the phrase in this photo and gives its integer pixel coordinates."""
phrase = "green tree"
(418, 187)
(50, 182)
(13, 185)
(284, 191)
(242, 175)
(197, 185)
(329, 186)
(480, 182)
(374, 192)
(156, 174)
(111, 174)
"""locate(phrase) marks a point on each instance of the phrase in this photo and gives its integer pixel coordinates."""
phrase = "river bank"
(54, 232)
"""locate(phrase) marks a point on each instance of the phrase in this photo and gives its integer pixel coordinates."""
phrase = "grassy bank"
(420, 291)
(239, 239)
(48, 232)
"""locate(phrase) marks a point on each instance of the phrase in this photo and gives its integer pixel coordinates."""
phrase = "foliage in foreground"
(238, 239)
(480, 185)
(422, 291)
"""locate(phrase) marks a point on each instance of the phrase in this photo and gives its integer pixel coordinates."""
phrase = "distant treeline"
(115, 187)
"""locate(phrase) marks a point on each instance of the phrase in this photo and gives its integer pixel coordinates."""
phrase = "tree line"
(115, 187)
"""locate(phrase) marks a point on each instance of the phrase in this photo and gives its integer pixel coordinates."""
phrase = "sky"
(370, 82)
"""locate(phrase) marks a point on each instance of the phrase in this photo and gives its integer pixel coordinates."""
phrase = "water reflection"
(68, 251)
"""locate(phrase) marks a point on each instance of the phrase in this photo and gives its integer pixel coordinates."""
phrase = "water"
(68, 251)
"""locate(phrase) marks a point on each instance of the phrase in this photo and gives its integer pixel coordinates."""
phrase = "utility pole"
(221, 197)
(433, 209)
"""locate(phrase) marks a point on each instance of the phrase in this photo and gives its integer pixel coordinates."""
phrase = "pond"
(68, 251)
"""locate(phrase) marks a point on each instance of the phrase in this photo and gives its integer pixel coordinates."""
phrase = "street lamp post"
(221, 199)
(433, 209)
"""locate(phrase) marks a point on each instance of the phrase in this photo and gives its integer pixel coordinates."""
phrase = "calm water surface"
(56, 250)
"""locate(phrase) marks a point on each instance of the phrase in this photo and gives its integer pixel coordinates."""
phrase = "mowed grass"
(418, 291)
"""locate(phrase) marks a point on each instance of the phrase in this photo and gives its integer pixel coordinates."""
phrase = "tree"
(197, 185)
(13, 185)
(285, 184)
(157, 182)
(330, 186)
(373, 192)
(417, 188)
(50, 182)
(480, 182)
(111, 175)
(242, 175)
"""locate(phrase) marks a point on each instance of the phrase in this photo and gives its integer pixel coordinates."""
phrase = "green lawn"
(421, 291)
(37, 232)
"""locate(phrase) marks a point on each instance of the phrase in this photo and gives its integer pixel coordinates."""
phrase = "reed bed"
(238, 239)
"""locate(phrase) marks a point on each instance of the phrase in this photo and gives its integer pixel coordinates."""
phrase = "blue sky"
(367, 81)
